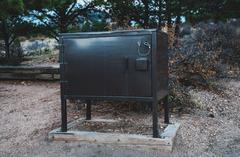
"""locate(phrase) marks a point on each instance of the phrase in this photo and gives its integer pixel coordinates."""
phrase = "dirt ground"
(29, 110)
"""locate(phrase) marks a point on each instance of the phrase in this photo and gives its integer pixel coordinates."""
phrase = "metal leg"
(88, 110)
(64, 115)
(166, 110)
(155, 119)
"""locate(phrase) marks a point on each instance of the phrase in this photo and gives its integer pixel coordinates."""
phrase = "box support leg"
(88, 110)
(64, 115)
(166, 110)
(155, 119)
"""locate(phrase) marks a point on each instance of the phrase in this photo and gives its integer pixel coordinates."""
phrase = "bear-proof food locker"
(119, 65)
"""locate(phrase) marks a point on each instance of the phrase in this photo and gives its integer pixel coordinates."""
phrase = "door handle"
(141, 64)
(126, 60)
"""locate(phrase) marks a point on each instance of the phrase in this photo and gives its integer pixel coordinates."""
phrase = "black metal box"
(120, 65)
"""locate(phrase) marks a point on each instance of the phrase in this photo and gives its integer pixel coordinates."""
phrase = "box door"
(122, 77)
(108, 66)
(84, 67)
(140, 71)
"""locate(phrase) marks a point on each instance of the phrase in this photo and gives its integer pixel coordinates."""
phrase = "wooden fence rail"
(29, 72)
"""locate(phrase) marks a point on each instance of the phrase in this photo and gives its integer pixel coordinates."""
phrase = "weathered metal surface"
(122, 65)
(117, 64)
(105, 66)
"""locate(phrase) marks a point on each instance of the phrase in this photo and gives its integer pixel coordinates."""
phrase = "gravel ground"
(29, 110)
(214, 127)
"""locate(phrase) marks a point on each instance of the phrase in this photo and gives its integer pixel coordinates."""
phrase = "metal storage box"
(120, 65)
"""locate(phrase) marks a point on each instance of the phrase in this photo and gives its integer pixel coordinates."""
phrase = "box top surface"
(110, 33)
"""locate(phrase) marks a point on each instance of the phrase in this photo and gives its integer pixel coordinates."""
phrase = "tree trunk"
(168, 14)
(177, 29)
(63, 20)
(62, 25)
(7, 50)
(146, 13)
(178, 19)
(6, 38)
(177, 26)
(160, 14)
(170, 31)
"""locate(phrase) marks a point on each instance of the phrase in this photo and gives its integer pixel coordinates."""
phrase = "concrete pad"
(164, 143)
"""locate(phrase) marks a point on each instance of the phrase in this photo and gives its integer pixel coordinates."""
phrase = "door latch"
(142, 64)
(144, 48)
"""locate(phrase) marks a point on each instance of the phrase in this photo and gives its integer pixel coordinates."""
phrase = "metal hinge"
(63, 63)
(64, 81)
(60, 46)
